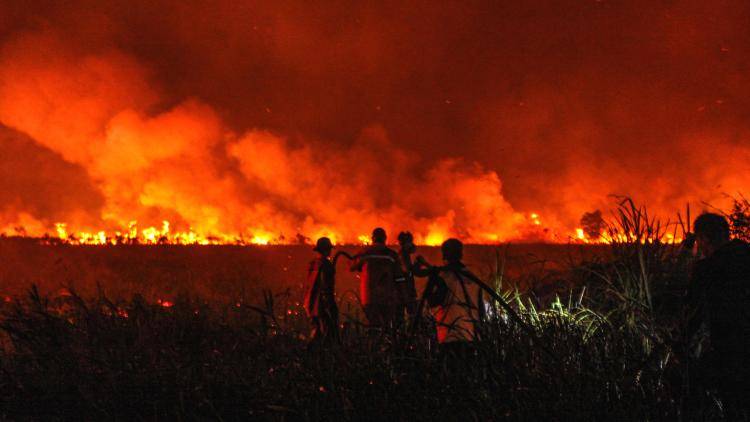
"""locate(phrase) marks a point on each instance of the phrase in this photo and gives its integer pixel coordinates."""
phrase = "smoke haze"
(285, 118)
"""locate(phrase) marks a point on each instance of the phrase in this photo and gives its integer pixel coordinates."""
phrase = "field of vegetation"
(606, 347)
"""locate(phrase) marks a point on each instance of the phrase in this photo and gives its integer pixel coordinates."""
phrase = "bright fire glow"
(434, 239)
(165, 303)
(364, 239)
(260, 240)
(153, 236)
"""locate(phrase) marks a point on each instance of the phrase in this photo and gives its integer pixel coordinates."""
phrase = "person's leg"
(314, 330)
(331, 323)
(411, 299)
(734, 390)
(396, 314)
(411, 308)
(399, 306)
(373, 312)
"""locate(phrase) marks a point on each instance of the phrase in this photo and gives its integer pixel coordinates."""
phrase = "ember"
(165, 303)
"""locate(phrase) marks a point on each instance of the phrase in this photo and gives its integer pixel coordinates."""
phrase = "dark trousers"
(723, 371)
(382, 315)
(325, 326)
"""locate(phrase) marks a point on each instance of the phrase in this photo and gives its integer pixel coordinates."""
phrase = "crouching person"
(457, 304)
(320, 299)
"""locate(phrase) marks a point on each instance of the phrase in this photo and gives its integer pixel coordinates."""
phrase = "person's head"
(711, 232)
(453, 250)
(378, 236)
(323, 246)
(406, 241)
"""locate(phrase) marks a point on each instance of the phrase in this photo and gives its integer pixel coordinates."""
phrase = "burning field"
(180, 331)
(218, 332)
(166, 167)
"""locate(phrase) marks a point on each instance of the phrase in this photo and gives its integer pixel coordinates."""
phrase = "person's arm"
(359, 262)
(313, 288)
(421, 268)
(431, 288)
(339, 254)
(398, 271)
(406, 259)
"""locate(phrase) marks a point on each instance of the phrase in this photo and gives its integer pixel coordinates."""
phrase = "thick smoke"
(34, 185)
(284, 119)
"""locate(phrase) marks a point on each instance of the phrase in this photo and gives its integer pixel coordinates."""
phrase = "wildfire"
(532, 229)
(154, 236)
(609, 237)
(62, 232)
(580, 235)
(164, 235)
(260, 240)
(364, 239)
(434, 239)
(95, 132)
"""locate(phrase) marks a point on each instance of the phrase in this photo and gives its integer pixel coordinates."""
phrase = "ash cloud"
(456, 119)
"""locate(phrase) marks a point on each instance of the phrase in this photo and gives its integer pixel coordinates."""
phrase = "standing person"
(456, 298)
(407, 289)
(719, 298)
(380, 272)
(320, 299)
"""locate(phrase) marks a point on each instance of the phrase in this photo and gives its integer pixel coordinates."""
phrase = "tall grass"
(84, 359)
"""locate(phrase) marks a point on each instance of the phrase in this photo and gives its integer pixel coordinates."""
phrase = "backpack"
(437, 290)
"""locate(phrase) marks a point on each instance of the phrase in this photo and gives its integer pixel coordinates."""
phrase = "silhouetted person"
(407, 289)
(456, 299)
(719, 298)
(381, 271)
(320, 299)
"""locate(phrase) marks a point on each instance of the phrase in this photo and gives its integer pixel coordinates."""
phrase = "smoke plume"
(292, 121)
